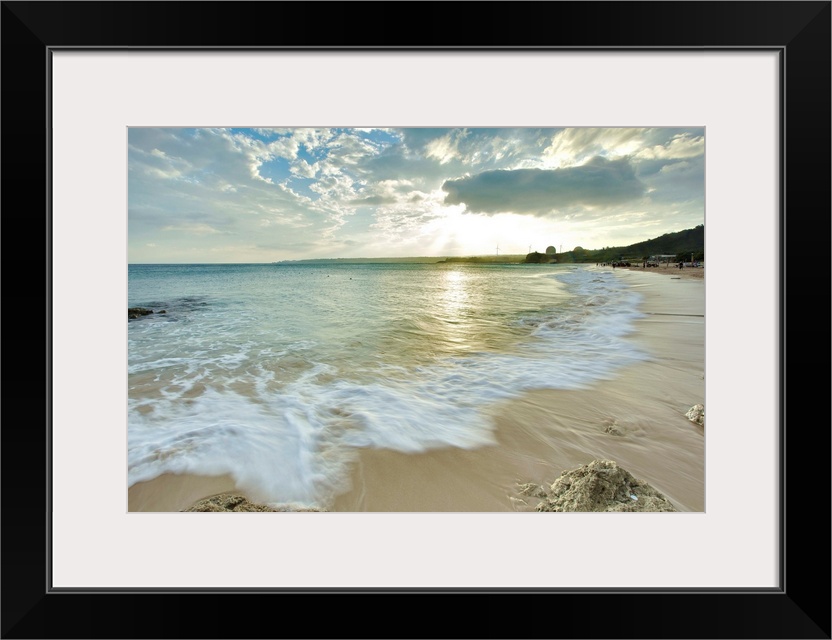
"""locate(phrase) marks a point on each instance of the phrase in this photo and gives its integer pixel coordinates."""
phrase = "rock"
(602, 485)
(531, 489)
(235, 502)
(696, 414)
(138, 312)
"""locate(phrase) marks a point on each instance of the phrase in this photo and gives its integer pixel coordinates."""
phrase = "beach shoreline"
(671, 270)
(543, 432)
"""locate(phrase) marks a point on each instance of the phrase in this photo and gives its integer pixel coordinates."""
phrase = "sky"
(238, 195)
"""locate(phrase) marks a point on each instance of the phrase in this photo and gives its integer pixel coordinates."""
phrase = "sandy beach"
(636, 417)
(673, 271)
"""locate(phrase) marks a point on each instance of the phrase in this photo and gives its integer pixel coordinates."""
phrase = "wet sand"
(636, 418)
(172, 492)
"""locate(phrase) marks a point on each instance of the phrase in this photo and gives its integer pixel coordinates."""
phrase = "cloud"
(489, 148)
(446, 148)
(675, 181)
(599, 182)
(404, 220)
(575, 146)
(683, 145)
(374, 200)
(303, 169)
(199, 229)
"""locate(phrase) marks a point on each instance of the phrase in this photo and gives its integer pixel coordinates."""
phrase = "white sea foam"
(285, 415)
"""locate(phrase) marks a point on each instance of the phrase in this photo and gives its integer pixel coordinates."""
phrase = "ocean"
(278, 375)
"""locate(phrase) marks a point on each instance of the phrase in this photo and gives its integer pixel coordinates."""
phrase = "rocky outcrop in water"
(234, 502)
(138, 312)
(600, 485)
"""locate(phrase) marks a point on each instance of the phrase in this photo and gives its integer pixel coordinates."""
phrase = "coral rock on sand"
(696, 414)
(234, 502)
(600, 485)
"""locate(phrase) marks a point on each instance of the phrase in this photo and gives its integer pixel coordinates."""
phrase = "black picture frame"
(799, 608)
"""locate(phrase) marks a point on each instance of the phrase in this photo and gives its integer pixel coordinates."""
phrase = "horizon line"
(487, 255)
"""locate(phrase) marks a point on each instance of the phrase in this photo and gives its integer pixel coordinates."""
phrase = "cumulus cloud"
(303, 169)
(539, 191)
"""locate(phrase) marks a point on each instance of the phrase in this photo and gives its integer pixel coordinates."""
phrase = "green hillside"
(681, 244)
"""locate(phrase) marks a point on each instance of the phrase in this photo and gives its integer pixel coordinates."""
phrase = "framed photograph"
(707, 118)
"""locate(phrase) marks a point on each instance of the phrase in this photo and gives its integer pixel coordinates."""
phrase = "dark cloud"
(674, 180)
(599, 182)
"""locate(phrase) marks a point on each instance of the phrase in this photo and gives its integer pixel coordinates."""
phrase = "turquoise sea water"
(277, 374)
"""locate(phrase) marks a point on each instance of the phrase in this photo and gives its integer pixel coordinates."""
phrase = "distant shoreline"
(672, 270)
(507, 259)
